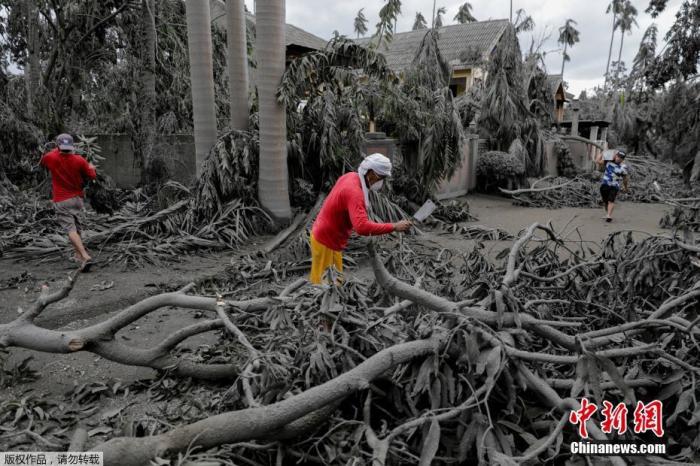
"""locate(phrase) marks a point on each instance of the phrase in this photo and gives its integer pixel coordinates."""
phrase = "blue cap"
(65, 142)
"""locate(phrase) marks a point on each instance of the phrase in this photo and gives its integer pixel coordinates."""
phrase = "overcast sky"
(588, 57)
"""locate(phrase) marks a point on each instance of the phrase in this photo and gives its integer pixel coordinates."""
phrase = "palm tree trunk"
(622, 40)
(33, 73)
(237, 63)
(273, 183)
(612, 39)
(563, 60)
(202, 77)
(147, 126)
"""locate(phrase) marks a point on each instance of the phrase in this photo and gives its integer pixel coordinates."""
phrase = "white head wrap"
(380, 164)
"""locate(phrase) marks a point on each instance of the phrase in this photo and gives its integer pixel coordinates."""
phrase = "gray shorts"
(69, 213)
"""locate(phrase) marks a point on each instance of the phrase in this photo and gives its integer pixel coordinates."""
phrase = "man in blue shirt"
(614, 171)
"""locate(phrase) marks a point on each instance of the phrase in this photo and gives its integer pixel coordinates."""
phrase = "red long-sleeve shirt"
(343, 211)
(67, 174)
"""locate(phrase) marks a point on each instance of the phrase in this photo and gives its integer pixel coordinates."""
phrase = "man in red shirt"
(344, 210)
(68, 171)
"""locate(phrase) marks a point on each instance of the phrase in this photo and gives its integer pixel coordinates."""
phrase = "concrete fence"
(177, 151)
(464, 178)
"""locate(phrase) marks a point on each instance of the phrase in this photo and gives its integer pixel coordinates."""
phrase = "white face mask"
(377, 186)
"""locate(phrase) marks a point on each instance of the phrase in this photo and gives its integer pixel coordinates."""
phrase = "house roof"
(459, 44)
(554, 81)
(299, 37)
(293, 34)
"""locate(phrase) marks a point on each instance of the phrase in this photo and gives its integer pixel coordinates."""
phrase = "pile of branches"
(557, 192)
(684, 216)
(651, 181)
(133, 227)
(444, 357)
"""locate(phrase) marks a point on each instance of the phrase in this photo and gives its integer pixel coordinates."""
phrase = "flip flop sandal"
(87, 265)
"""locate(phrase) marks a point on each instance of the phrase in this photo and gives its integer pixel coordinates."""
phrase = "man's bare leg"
(77, 243)
(611, 206)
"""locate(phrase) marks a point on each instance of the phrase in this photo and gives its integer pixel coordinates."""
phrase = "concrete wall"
(464, 178)
(176, 150)
(550, 160)
(581, 155)
(379, 143)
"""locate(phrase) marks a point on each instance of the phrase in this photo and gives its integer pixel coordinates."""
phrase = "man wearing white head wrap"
(380, 165)
(344, 210)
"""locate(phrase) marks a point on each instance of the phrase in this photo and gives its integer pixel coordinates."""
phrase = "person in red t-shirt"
(345, 210)
(68, 172)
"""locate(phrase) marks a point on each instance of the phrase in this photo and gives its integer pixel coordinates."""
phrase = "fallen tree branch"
(100, 338)
(442, 305)
(253, 423)
(533, 190)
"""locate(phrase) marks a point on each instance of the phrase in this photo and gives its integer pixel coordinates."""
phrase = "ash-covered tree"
(438, 17)
(386, 26)
(504, 105)
(360, 23)
(614, 7)
(464, 14)
(644, 59)
(64, 43)
(505, 114)
(523, 21)
(626, 19)
(424, 116)
(419, 22)
(568, 36)
(326, 137)
(681, 55)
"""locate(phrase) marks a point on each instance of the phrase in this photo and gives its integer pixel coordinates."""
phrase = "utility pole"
(433, 24)
(511, 11)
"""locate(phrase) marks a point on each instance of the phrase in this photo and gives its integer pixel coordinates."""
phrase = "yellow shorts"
(323, 257)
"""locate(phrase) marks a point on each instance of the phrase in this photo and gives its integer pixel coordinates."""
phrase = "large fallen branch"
(101, 338)
(255, 423)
